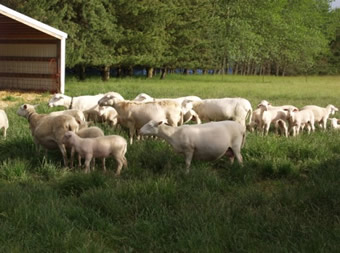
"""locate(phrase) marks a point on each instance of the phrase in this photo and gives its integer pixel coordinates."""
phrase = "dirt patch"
(10, 98)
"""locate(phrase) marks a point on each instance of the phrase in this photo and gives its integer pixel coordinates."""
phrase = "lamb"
(47, 130)
(321, 114)
(134, 115)
(335, 123)
(268, 115)
(91, 132)
(3, 122)
(187, 111)
(109, 115)
(99, 147)
(237, 109)
(82, 103)
(208, 141)
(298, 120)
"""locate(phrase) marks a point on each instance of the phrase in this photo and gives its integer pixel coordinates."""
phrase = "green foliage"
(279, 37)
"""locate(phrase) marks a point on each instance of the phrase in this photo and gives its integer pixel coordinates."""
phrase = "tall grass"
(286, 196)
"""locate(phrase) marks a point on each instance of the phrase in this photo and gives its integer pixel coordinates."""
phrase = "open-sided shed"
(32, 54)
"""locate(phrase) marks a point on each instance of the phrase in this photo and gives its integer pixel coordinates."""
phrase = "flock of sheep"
(223, 132)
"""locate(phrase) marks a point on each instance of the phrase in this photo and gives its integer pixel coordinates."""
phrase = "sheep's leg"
(267, 129)
(119, 165)
(131, 133)
(324, 123)
(64, 153)
(237, 153)
(79, 161)
(72, 157)
(188, 157)
(103, 163)
(93, 163)
(88, 159)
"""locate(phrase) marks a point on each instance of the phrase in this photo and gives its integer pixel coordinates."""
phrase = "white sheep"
(133, 114)
(321, 114)
(271, 115)
(77, 114)
(335, 123)
(299, 119)
(109, 115)
(3, 122)
(82, 103)
(91, 132)
(219, 109)
(208, 141)
(99, 147)
(47, 130)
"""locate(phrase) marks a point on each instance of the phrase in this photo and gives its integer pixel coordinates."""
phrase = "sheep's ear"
(295, 110)
(25, 106)
(258, 106)
(160, 123)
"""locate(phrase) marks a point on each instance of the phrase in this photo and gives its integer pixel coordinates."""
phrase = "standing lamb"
(3, 122)
(100, 147)
(208, 141)
(298, 120)
(321, 114)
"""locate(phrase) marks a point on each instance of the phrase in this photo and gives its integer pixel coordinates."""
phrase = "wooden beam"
(29, 75)
(26, 58)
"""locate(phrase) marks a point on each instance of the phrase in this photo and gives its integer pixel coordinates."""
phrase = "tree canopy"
(282, 37)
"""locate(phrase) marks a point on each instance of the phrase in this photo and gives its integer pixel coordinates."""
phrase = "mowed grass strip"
(286, 196)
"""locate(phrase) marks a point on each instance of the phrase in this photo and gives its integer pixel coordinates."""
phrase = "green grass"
(285, 198)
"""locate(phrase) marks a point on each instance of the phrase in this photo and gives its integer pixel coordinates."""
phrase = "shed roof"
(32, 22)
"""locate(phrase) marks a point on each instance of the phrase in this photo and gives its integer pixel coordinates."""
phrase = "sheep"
(143, 97)
(91, 132)
(47, 130)
(99, 147)
(208, 141)
(299, 119)
(3, 122)
(82, 103)
(321, 114)
(335, 123)
(109, 115)
(237, 109)
(268, 115)
(77, 114)
(134, 114)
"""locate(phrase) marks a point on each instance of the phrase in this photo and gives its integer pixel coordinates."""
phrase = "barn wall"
(29, 59)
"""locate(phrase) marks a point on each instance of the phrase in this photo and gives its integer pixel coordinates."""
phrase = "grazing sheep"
(3, 122)
(77, 114)
(109, 115)
(237, 109)
(335, 123)
(208, 141)
(134, 114)
(321, 114)
(298, 120)
(47, 130)
(99, 147)
(82, 103)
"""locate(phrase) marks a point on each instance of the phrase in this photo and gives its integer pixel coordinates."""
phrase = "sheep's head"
(108, 100)
(333, 109)
(25, 109)
(56, 100)
(67, 137)
(151, 128)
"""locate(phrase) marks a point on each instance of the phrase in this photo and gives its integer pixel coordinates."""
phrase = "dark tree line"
(280, 37)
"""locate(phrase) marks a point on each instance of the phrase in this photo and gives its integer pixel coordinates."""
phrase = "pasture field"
(285, 198)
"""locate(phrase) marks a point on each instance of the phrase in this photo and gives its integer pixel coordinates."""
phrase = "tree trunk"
(130, 71)
(277, 69)
(150, 72)
(106, 73)
(81, 72)
(236, 69)
(185, 72)
(163, 73)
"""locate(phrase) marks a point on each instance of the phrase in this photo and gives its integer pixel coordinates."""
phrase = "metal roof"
(32, 22)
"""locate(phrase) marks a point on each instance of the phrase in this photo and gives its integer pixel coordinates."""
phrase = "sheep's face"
(25, 109)
(67, 137)
(150, 128)
(57, 100)
(333, 110)
(107, 100)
